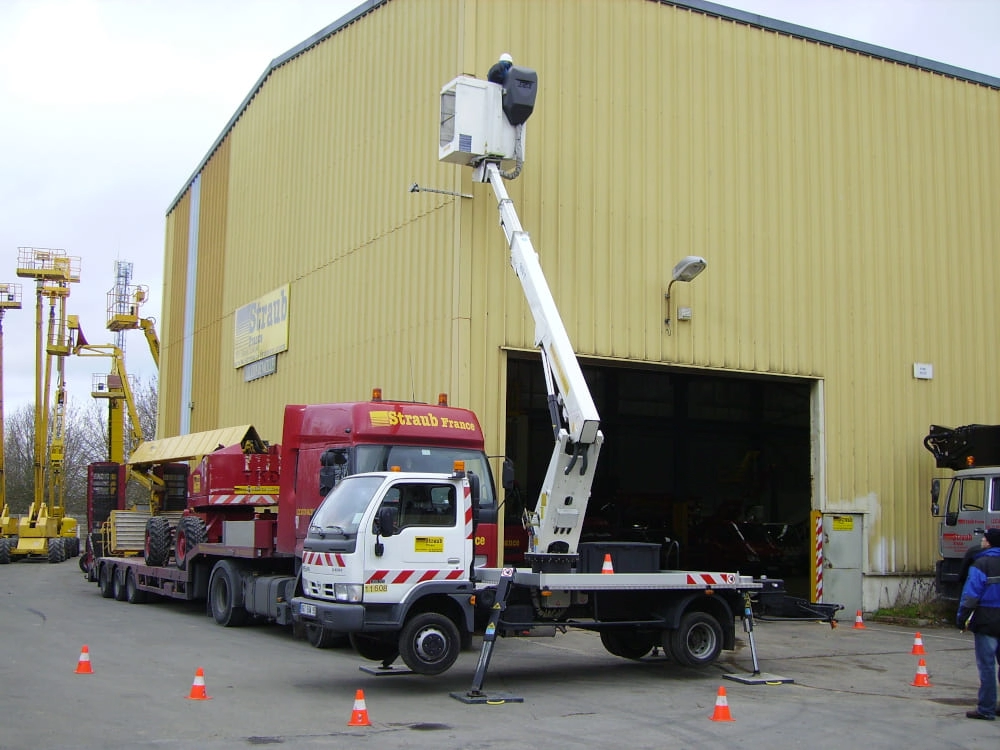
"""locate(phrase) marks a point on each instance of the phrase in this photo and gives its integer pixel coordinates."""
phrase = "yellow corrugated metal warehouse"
(843, 196)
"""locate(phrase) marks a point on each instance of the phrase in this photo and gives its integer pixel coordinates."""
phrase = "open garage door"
(714, 467)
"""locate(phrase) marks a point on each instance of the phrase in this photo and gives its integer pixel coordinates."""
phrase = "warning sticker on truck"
(428, 544)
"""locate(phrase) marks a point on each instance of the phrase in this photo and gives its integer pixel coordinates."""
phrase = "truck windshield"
(432, 460)
(341, 512)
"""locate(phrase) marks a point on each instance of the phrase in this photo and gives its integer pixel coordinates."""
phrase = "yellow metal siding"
(845, 205)
(172, 325)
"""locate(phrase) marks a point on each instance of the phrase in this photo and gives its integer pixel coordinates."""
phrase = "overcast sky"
(107, 106)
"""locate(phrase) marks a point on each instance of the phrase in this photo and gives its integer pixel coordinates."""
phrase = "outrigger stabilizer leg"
(475, 694)
(756, 677)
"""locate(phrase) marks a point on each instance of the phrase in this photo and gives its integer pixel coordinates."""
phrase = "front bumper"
(336, 616)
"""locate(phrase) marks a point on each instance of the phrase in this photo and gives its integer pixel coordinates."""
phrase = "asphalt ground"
(850, 686)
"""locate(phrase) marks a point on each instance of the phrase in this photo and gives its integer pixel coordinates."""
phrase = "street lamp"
(685, 270)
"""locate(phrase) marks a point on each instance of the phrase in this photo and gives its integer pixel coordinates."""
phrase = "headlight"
(348, 592)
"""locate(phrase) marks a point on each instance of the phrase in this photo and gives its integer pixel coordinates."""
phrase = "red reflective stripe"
(428, 575)
(452, 575)
(403, 576)
(378, 575)
(340, 559)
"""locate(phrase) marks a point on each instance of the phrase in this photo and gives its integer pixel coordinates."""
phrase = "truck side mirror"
(507, 475)
(475, 488)
(386, 521)
(935, 496)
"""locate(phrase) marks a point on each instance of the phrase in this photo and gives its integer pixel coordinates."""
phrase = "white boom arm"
(555, 524)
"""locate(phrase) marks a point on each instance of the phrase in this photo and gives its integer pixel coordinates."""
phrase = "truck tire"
(225, 595)
(374, 648)
(105, 581)
(57, 550)
(697, 641)
(157, 541)
(190, 533)
(4, 551)
(133, 594)
(118, 584)
(429, 643)
(629, 645)
(320, 637)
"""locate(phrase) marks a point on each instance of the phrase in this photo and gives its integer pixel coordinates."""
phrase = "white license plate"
(307, 609)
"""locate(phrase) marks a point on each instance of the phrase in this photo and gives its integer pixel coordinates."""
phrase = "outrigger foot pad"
(473, 697)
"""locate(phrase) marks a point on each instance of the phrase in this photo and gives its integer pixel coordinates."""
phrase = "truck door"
(428, 543)
(964, 511)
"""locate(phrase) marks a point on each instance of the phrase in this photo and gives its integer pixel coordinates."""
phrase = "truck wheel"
(105, 581)
(627, 645)
(190, 533)
(429, 643)
(4, 551)
(320, 637)
(374, 648)
(224, 593)
(133, 594)
(697, 641)
(118, 584)
(157, 541)
(57, 550)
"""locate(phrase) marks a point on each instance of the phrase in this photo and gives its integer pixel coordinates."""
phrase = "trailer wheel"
(118, 584)
(57, 550)
(697, 641)
(223, 593)
(133, 594)
(4, 551)
(374, 648)
(627, 645)
(157, 541)
(190, 533)
(429, 643)
(105, 581)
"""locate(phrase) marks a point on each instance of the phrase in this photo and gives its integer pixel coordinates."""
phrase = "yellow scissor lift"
(46, 530)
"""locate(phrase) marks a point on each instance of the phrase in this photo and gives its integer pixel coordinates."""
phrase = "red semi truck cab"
(323, 443)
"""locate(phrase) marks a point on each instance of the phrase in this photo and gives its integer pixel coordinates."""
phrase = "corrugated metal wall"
(845, 205)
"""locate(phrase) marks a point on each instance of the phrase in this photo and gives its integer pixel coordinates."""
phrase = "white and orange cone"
(607, 568)
(918, 645)
(359, 716)
(859, 624)
(921, 679)
(83, 664)
(721, 712)
(198, 687)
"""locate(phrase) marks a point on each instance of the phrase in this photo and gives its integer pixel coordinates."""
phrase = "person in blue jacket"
(979, 611)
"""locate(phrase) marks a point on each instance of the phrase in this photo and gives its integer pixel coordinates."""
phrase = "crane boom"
(557, 519)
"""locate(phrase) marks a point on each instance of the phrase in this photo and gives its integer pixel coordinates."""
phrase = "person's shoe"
(977, 715)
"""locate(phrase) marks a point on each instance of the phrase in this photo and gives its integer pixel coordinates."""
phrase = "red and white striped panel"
(243, 500)
(711, 579)
(467, 492)
(328, 559)
(413, 576)
(818, 592)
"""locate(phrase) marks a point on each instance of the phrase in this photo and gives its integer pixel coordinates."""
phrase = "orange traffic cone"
(858, 622)
(607, 568)
(721, 712)
(921, 679)
(83, 665)
(918, 645)
(198, 687)
(359, 716)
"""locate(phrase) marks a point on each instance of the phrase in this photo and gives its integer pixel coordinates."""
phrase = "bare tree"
(18, 450)
(86, 441)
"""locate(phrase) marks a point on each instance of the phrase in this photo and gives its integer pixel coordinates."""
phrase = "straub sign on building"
(261, 327)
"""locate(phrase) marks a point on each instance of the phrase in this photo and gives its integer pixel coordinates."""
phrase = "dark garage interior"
(714, 467)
